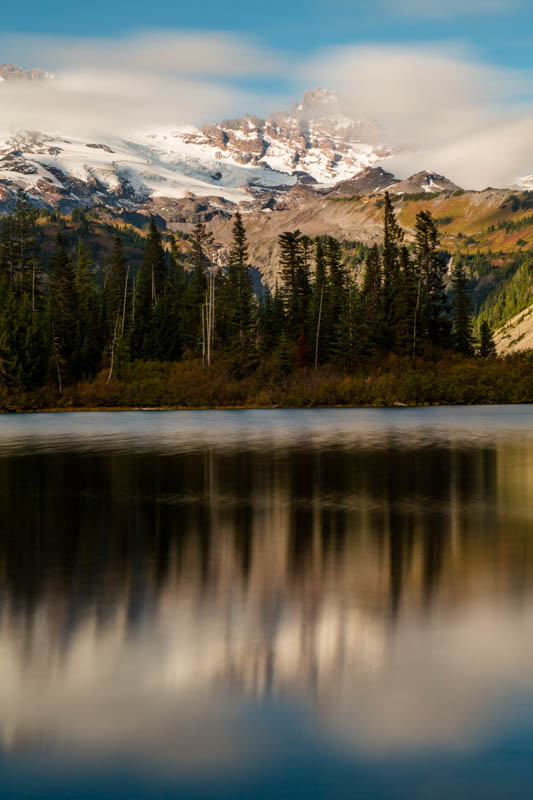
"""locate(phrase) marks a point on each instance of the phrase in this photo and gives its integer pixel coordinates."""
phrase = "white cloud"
(185, 53)
(454, 115)
(139, 81)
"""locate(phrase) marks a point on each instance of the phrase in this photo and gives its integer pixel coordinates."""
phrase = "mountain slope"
(67, 172)
(517, 333)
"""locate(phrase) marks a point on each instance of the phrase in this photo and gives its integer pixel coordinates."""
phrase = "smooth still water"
(262, 604)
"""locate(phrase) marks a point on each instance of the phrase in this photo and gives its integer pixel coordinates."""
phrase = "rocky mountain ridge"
(9, 72)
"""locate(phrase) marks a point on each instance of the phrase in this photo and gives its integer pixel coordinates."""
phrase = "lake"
(262, 604)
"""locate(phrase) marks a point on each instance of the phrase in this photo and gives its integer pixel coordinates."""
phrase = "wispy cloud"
(468, 119)
(134, 82)
(185, 53)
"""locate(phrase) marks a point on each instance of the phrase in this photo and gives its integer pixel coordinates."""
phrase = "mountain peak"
(322, 101)
(9, 72)
(425, 181)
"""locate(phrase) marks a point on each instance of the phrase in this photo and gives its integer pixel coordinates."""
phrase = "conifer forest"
(393, 324)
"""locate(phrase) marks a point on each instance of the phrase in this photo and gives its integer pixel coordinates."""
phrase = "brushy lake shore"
(392, 382)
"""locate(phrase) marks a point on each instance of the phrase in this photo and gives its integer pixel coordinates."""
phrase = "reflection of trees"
(289, 537)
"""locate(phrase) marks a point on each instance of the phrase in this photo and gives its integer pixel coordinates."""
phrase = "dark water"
(293, 604)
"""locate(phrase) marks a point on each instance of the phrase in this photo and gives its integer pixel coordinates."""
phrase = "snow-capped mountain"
(429, 182)
(314, 143)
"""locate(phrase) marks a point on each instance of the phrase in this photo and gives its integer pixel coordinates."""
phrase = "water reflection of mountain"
(324, 574)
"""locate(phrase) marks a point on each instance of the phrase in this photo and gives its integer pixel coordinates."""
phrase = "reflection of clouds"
(174, 689)
(447, 685)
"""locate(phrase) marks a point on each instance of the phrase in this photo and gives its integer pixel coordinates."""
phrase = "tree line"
(64, 323)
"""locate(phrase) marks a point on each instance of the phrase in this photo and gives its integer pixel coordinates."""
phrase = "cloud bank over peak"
(451, 114)
(136, 82)
(448, 111)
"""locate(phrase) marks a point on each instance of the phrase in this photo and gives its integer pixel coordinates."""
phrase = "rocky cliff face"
(314, 141)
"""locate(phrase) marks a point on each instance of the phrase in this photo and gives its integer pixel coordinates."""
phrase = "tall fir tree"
(406, 304)
(292, 271)
(90, 334)
(197, 286)
(371, 297)
(432, 323)
(462, 329)
(63, 314)
(238, 290)
(175, 304)
(348, 338)
(150, 284)
(392, 242)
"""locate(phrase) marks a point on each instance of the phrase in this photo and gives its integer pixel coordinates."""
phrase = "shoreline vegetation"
(187, 329)
(187, 385)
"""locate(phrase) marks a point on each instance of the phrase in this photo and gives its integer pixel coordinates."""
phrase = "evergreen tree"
(462, 333)
(24, 344)
(238, 290)
(63, 311)
(487, 347)
(319, 304)
(197, 286)
(431, 320)
(371, 297)
(406, 304)
(90, 335)
(292, 271)
(392, 242)
(19, 249)
(175, 304)
(117, 287)
(150, 285)
(348, 338)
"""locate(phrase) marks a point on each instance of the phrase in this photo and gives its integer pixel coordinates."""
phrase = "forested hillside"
(87, 299)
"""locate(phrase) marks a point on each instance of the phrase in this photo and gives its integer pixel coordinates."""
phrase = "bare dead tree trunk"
(33, 290)
(209, 313)
(318, 327)
(103, 297)
(134, 296)
(58, 364)
(204, 337)
(125, 298)
(211, 336)
(113, 348)
(416, 312)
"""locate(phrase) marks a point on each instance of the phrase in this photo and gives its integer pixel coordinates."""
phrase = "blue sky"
(498, 31)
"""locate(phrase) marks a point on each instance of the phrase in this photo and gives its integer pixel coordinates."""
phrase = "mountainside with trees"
(341, 315)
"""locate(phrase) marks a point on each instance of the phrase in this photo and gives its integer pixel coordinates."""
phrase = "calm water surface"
(255, 604)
